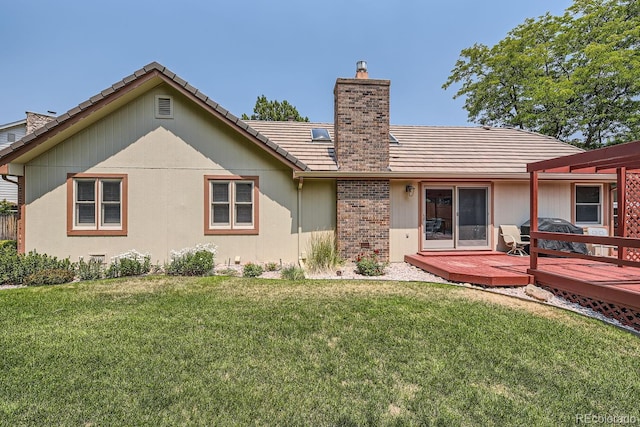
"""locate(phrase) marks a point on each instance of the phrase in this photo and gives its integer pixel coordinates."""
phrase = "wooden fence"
(9, 226)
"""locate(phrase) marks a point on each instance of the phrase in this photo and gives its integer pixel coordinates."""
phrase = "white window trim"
(599, 204)
(98, 203)
(96, 228)
(232, 224)
(232, 227)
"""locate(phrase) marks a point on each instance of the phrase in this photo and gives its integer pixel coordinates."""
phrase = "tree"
(6, 207)
(274, 111)
(575, 77)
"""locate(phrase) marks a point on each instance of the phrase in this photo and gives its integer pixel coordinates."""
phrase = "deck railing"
(621, 243)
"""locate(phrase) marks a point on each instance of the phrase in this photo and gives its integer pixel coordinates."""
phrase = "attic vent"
(393, 139)
(320, 135)
(164, 107)
(11, 137)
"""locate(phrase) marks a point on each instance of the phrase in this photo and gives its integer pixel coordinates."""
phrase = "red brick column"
(362, 145)
(363, 218)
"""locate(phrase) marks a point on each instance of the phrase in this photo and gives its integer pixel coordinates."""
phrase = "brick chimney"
(362, 122)
(361, 131)
(36, 121)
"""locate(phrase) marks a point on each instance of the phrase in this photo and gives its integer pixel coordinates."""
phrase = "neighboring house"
(155, 165)
(10, 133)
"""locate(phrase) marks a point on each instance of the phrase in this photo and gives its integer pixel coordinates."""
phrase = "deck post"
(621, 189)
(533, 219)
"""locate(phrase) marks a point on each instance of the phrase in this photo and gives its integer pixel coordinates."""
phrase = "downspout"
(300, 183)
(4, 177)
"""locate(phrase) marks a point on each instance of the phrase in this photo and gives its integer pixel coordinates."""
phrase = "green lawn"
(232, 351)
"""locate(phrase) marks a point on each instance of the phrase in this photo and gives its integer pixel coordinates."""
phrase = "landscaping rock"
(537, 293)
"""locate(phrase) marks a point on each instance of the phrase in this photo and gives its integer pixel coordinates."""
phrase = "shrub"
(8, 244)
(7, 207)
(91, 270)
(132, 263)
(8, 264)
(252, 270)
(53, 276)
(271, 266)
(322, 251)
(292, 272)
(14, 267)
(369, 265)
(198, 261)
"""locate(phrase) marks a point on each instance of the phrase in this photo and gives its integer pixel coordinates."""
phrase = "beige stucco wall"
(166, 160)
(404, 233)
(511, 204)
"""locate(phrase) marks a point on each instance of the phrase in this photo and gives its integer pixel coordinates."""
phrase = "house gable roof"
(13, 124)
(147, 77)
(425, 151)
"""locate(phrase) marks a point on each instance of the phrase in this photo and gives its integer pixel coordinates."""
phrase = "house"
(10, 133)
(153, 164)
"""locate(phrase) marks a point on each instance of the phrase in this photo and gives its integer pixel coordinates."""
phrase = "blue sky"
(57, 54)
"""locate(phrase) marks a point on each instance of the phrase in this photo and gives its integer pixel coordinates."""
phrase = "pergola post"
(621, 189)
(533, 220)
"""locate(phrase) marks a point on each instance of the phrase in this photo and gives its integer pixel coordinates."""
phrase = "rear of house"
(153, 164)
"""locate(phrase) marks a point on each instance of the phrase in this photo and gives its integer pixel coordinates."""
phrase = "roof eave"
(13, 124)
(424, 175)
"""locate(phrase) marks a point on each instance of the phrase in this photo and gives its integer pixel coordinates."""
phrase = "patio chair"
(433, 225)
(596, 248)
(513, 239)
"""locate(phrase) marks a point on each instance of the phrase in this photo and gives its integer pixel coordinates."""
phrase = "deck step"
(482, 268)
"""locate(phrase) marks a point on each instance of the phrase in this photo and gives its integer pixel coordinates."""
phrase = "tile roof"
(295, 137)
(429, 149)
(421, 149)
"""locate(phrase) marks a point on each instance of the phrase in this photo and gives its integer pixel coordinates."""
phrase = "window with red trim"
(231, 205)
(97, 204)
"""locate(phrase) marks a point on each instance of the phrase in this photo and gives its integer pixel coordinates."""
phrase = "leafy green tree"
(6, 207)
(274, 111)
(575, 77)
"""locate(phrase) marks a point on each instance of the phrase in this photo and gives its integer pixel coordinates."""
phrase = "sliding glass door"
(438, 218)
(456, 217)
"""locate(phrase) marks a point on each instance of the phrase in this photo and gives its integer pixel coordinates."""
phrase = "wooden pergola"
(624, 161)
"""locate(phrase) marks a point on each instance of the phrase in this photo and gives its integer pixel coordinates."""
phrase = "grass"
(236, 351)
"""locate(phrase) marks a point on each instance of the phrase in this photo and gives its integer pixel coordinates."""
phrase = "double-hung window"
(97, 204)
(588, 204)
(231, 205)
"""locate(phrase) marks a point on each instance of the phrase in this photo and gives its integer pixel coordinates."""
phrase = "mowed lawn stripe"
(233, 351)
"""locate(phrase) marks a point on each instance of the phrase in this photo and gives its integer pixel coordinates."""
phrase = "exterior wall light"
(410, 189)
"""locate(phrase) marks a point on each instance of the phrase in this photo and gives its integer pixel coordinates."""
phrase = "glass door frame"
(441, 244)
(454, 243)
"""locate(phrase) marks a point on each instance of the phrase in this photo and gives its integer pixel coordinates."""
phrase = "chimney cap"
(361, 70)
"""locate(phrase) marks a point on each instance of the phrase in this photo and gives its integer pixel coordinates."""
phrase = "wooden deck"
(599, 281)
(478, 267)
